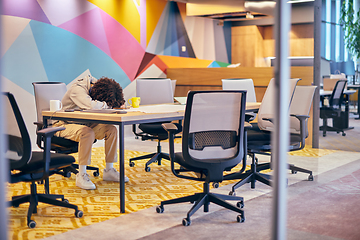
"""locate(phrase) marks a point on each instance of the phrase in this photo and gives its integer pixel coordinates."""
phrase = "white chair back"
(241, 84)
(267, 107)
(46, 91)
(154, 91)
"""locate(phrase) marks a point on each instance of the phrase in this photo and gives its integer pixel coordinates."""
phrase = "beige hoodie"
(77, 96)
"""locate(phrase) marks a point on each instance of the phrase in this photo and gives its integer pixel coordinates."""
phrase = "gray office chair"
(32, 166)
(153, 91)
(242, 84)
(259, 136)
(44, 92)
(333, 111)
(212, 143)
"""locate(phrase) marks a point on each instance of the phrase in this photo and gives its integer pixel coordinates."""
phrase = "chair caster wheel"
(240, 218)
(232, 193)
(65, 201)
(160, 209)
(131, 164)
(215, 184)
(79, 213)
(311, 178)
(67, 174)
(147, 169)
(240, 204)
(32, 224)
(344, 134)
(96, 174)
(293, 172)
(186, 222)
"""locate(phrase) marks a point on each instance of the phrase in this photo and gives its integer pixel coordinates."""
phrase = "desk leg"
(358, 105)
(122, 167)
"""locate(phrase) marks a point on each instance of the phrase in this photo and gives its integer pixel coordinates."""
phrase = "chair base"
(253, 175)
(325, 129)
(204, 199)
(34, 198)
(154, 157)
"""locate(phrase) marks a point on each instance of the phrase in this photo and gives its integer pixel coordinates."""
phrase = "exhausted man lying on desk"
(89, 93)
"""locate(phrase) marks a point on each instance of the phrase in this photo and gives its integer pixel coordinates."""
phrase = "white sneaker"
(83, 181)
(112, 175)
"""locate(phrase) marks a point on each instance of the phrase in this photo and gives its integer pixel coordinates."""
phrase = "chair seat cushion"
(57, 161)
(261, 140)
(157, 130)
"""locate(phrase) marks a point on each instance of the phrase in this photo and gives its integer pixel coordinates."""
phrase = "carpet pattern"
(144, 190)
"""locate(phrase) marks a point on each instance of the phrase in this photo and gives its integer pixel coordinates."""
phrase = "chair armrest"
(49, 132)
(169, 127)
(302, 119)
(39, 124)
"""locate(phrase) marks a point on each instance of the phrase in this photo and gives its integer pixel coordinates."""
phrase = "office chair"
(333, 111)
(153, 91)
(212, 142)
(30, 166)
(242, 84)
(259, 136)
(44, 92)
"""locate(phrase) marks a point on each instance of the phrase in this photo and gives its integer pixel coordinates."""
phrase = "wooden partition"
(210, 79)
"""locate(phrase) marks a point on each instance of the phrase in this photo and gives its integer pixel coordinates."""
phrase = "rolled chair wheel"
(186, 222)
(96, 174)
(311, 178)
(32, 224)
(240, 218)
(79, 214)
(160, 209)
(232, 193)
(215, 184)
(147, 169)
(131, 164)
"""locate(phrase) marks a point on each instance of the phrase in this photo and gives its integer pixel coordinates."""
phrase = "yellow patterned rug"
(144, 190)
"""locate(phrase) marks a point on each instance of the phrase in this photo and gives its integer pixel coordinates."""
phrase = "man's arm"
(81, 98)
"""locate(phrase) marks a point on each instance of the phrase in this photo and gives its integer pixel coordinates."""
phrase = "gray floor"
(219, 223)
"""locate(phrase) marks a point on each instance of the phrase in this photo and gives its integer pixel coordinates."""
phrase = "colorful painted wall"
(61, 40)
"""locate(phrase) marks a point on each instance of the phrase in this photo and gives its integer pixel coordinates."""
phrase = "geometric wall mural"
(170, 36)
(60, 40)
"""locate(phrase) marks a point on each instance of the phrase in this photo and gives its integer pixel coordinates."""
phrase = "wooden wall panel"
(252, 44)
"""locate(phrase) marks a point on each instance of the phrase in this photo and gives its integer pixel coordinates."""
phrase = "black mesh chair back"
(19, 144)
(337, 96)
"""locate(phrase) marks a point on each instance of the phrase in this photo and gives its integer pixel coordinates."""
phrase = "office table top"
(325, 93)
(131, 115)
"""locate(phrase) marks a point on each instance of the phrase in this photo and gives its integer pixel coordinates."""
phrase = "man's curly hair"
(109, 91)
